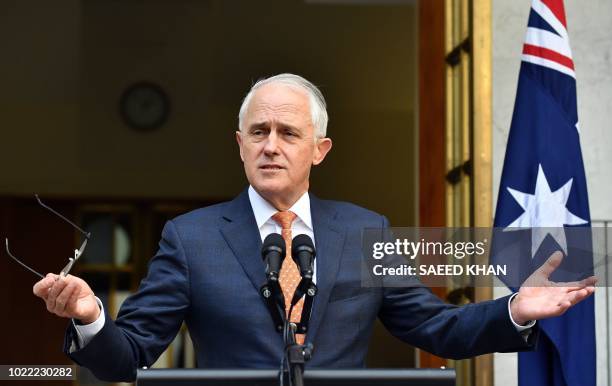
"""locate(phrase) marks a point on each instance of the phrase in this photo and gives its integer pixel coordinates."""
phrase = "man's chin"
(267, 190)
(275, 194)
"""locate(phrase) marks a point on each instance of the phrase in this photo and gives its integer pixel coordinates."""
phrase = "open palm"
(541, 298)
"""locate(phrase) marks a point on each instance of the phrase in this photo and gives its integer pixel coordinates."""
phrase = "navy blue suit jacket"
(208, 272)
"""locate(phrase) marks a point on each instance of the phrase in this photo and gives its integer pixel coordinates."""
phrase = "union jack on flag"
(543, 188)
(547, 42)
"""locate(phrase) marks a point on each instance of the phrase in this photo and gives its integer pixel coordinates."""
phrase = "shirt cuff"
(86, 332)
(525, 330)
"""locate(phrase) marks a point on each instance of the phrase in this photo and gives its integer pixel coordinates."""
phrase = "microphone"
(273, 252)
(303, 253)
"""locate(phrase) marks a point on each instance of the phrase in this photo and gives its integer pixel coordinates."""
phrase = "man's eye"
(257, 132)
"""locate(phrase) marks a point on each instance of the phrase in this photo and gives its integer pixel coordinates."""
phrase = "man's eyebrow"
(265, 125)
(286, 126)
(259, 125)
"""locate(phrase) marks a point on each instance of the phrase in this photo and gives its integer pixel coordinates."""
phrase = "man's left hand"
(540, 298)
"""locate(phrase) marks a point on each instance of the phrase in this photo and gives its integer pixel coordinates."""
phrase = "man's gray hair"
(318, 107)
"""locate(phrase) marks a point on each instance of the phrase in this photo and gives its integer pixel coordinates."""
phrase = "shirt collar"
(263, 210)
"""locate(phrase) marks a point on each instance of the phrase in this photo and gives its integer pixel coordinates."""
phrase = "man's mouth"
(271, 167)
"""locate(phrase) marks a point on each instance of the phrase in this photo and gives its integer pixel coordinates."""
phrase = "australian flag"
(543, 189)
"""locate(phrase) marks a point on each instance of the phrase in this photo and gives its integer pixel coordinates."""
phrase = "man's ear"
(239, 140)
(322, 147)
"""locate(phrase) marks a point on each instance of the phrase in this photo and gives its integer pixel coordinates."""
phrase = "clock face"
(144, 106)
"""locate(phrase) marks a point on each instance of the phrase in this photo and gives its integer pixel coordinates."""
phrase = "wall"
(39, 95)
(68, 64)
(591, 43)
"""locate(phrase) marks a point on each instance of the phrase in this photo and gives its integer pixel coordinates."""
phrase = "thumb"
(41, 288)
(553, 262)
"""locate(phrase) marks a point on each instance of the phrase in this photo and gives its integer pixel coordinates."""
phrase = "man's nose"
(272, 143)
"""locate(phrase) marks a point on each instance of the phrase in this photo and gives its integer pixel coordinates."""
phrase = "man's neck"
(263, 210)
(281, 202)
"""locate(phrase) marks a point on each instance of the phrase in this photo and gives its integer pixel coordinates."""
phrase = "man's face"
(277, 143)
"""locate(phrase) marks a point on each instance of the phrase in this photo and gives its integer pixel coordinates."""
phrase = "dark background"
(66, 63)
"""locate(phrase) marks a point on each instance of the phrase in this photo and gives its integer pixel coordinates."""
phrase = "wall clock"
(144, 106)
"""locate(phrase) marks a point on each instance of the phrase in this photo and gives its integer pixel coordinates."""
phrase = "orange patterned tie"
(289, 277)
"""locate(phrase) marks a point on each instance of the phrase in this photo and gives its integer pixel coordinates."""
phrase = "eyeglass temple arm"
(86, 234)
(19, 261)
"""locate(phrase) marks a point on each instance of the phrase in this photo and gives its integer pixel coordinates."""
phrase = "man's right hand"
(68, 297)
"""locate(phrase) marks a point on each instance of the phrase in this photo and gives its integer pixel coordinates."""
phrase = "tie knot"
(284, 218)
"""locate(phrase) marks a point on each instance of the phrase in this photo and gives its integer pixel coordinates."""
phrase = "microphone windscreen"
(273, 241)
(300, 243)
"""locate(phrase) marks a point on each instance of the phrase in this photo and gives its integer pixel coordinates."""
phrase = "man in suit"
(208, 270)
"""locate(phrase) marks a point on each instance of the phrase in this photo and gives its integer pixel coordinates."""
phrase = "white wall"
(591, 41)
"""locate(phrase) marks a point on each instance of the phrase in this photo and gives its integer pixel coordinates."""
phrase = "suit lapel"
(241, 234)
(329, 243)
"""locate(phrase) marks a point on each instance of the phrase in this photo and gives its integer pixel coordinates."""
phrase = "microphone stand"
(275, 301)
(297, 355)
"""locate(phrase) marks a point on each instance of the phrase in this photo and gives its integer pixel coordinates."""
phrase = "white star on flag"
(545, 212)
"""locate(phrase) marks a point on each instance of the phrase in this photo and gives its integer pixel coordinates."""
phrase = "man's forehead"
(289, 119)
(280, 94)
(278, 99)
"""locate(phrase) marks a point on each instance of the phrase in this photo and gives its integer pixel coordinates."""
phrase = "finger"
(565, 305)
(71, 304)
(587, 282)
(590, 290)
(63, 298)
(551, 264)
(590, 281)
(41, 288)
(55, 290)
(579, 295)
(568, 285)
(577, 285)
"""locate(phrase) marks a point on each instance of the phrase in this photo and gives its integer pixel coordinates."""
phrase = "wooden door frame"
(431, 164)
(431, 135)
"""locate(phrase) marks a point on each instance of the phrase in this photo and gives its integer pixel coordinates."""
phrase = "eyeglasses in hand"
(71, 260)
